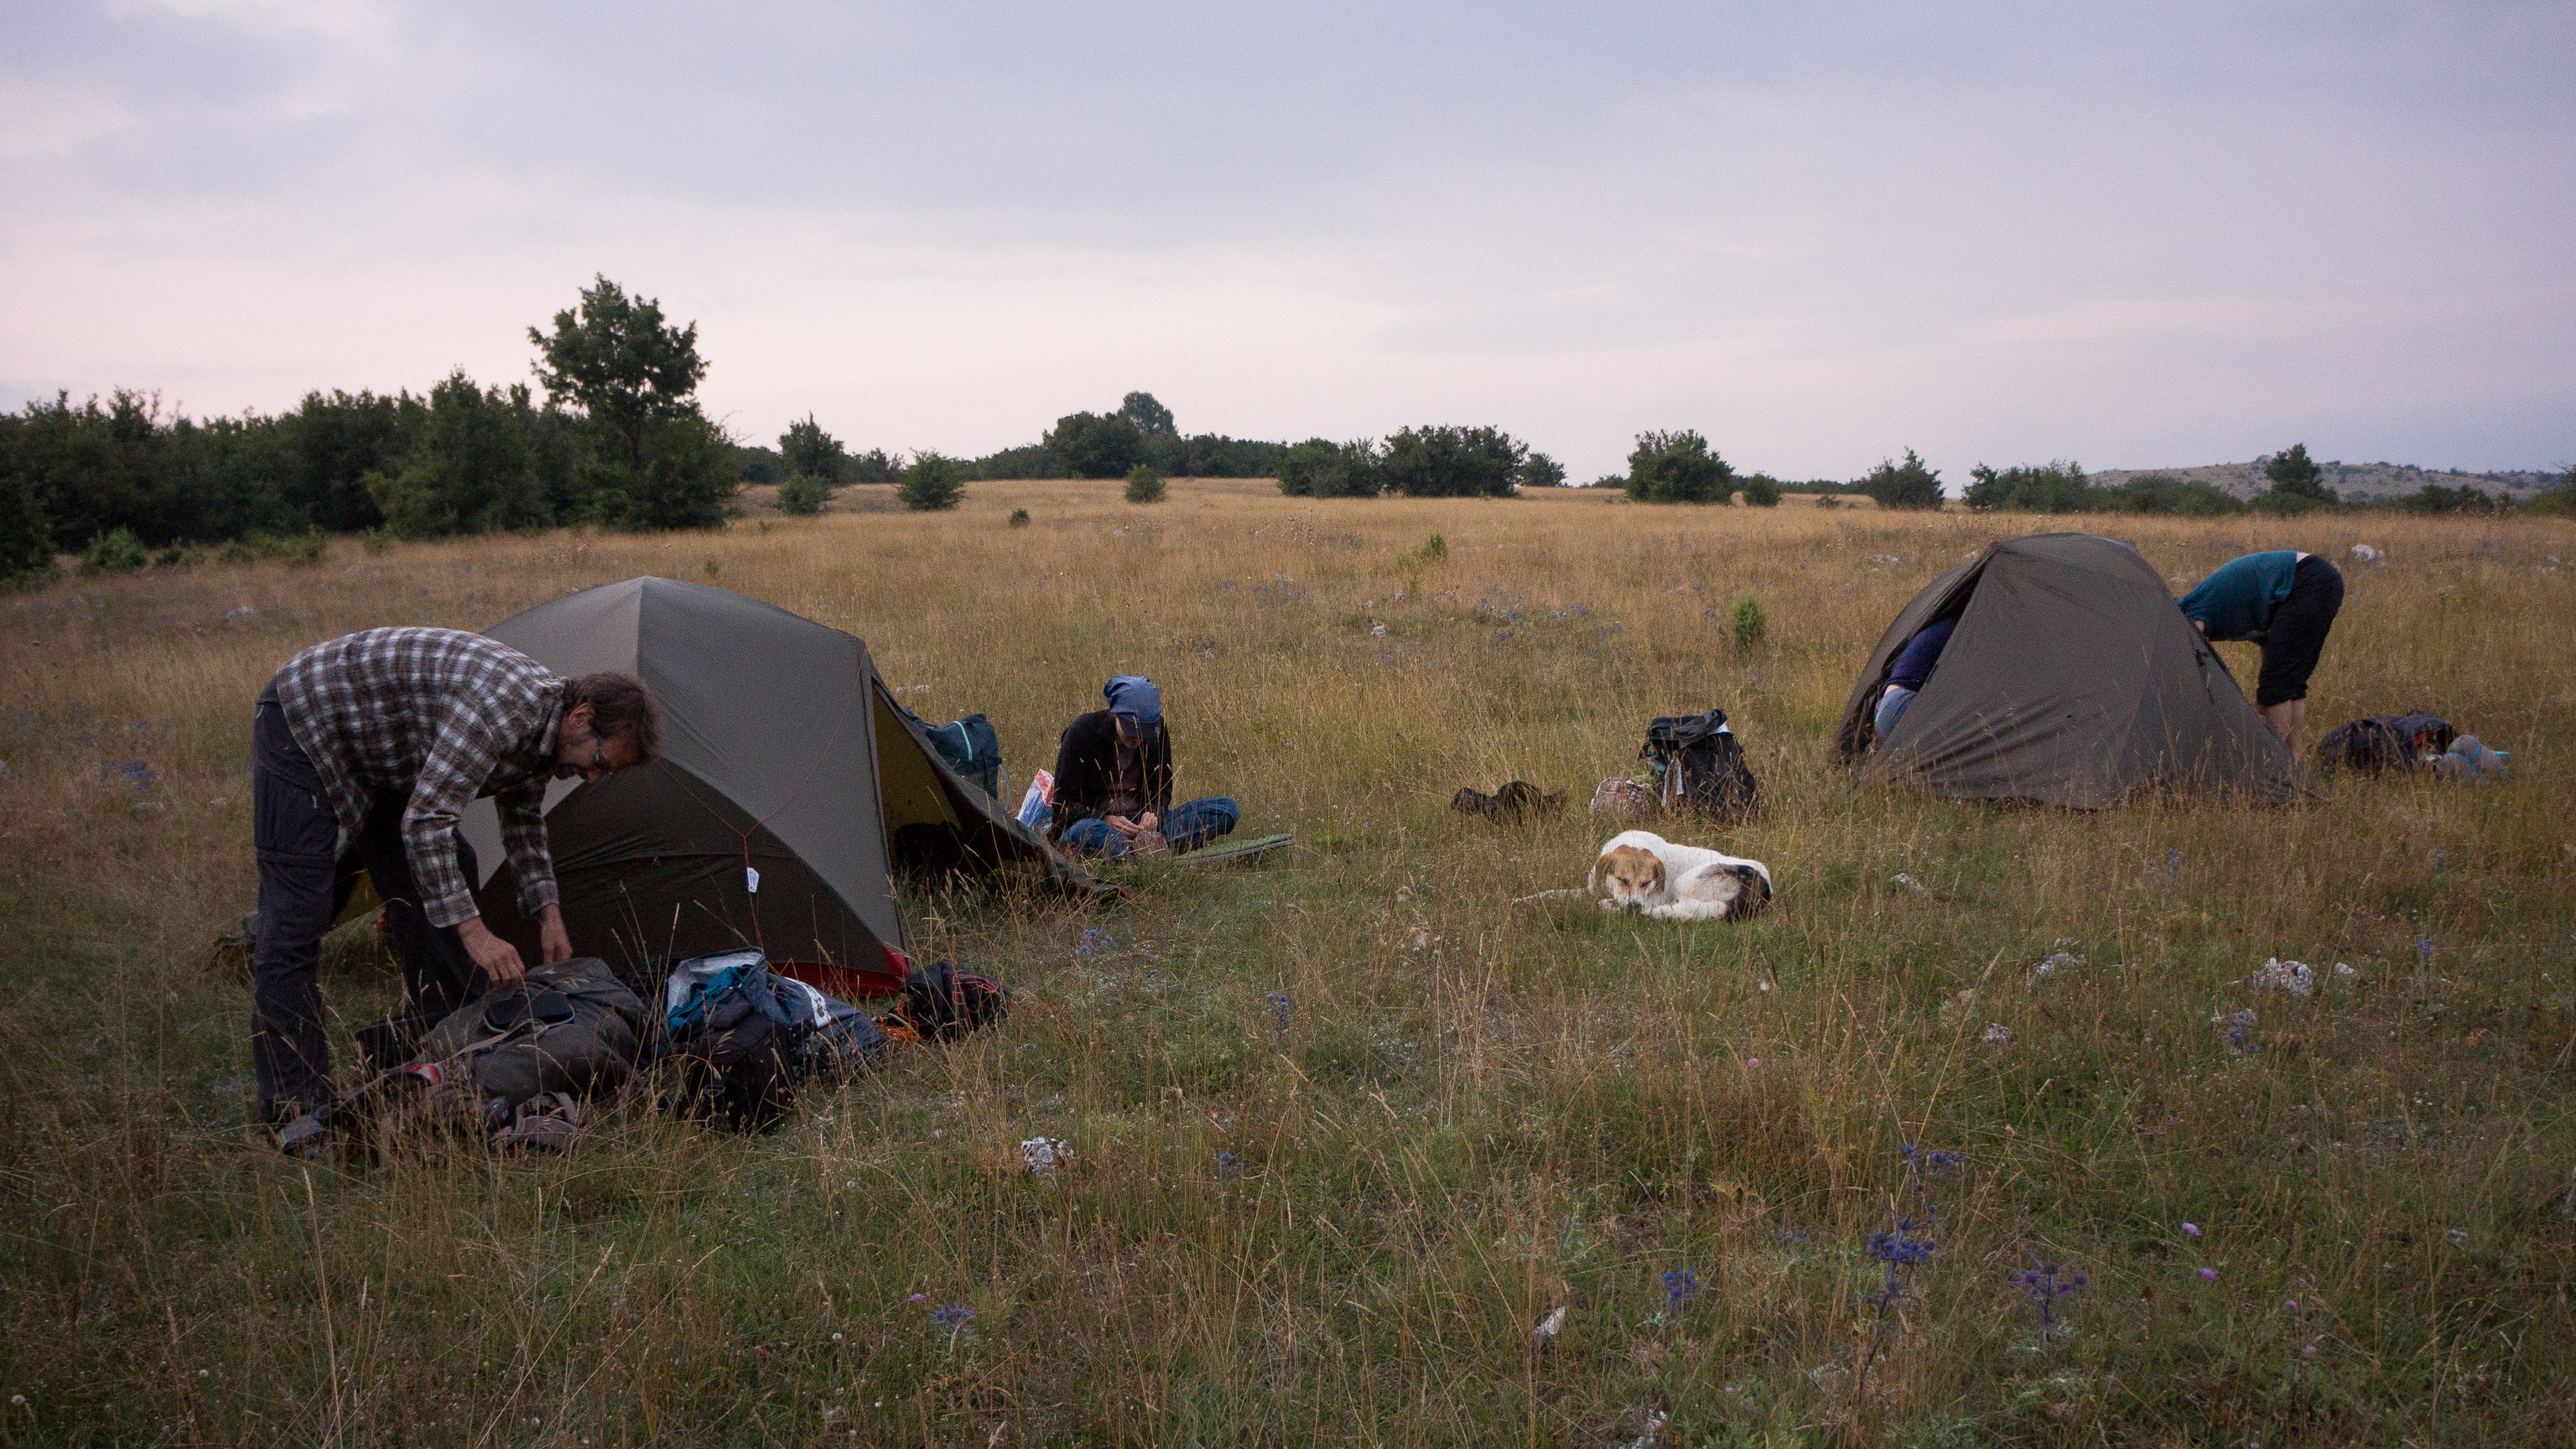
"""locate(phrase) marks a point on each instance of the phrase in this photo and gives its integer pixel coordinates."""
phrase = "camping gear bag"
(2385, 742)
(972, 748)
(516, 1066)
(1700, 767)
(942, 1003)
(742, 1038)
(571, 1027)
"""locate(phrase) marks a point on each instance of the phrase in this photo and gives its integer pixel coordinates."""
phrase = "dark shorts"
(2297, 633)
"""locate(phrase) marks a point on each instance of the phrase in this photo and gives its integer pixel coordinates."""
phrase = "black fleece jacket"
(1086, 770)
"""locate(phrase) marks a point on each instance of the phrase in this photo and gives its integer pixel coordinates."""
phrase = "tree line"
(618, 440)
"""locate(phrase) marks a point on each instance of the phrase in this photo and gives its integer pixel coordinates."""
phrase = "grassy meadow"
(1349, 1125)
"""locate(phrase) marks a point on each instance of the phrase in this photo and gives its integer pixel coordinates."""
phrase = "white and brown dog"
(1643, 872)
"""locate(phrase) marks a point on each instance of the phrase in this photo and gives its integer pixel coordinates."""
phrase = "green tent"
(2072, 679)
(791, 786)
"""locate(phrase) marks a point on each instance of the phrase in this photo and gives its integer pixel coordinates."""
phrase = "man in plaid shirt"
(367, 750)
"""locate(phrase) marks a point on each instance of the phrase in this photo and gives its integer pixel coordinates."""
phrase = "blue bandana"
(1134, 696)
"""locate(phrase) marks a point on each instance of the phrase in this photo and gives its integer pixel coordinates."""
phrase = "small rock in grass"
(2276, 974)
(1996, 1034)
(2062, 961)
(1549, 1327)
(1907, 881)
(1045, 1154)
(2344, 972)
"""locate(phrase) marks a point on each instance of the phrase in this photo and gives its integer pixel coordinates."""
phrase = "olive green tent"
(2072, 679)
(791, 785)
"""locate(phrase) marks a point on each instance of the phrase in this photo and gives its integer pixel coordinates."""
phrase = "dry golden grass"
(1456, 1115)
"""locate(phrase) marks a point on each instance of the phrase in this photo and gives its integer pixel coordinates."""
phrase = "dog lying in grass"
(1641, 871)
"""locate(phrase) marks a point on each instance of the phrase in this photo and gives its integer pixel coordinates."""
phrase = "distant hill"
(2353, 482)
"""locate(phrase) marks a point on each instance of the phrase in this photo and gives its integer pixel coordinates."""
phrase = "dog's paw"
(1608, 904)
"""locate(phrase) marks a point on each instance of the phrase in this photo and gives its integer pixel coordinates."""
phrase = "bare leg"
(2289, 720)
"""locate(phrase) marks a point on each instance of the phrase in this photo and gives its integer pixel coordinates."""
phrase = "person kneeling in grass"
(2286, 601)
(1113, 782)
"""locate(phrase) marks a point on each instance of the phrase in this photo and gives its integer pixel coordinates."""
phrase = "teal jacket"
(2236, 601)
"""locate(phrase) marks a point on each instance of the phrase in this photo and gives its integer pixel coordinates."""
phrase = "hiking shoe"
(304, 1138)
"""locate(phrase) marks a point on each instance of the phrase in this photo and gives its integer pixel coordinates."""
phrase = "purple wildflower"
(2045, 1281)
(2209, 1275)
(1279, 1008)
(1681, 1285)
(2192, 1228)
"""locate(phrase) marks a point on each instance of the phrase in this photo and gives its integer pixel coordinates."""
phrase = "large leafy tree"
(1092, 446)
(2296, 475)
(1150, 417)
(1322, 468)
(614, 358)
(1678, 468)
(656, 460)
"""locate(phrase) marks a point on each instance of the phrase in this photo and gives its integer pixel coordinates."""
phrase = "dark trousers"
(2296, 635)
(304, 881)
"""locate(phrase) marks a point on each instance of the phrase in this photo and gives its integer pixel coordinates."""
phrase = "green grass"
(1344, 1228)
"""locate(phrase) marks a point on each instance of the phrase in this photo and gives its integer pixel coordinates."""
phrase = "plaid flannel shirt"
(447, 715)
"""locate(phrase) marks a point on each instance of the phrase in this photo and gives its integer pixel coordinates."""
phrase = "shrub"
(1761, 490)
(1320, 468)
(1750, 622)
(875, 465)
(1541, 471)
(1435, 547)
(804, 495)
(1087, 445)
(26, 535)
(808, 450)
(116, 551)
(1019, 518)
(2056, 487)
(934, 481)
(1451, 462)
(306, 548)
(1828, 500)
(2434, 498)
(2560, 500)
(1144, 485)
(1678, 468)
(1910, 484)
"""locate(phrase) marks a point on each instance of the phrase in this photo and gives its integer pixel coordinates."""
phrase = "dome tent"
(2072, 679)
(789, 787)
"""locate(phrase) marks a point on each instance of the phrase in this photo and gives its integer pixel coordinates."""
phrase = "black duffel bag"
(1701, 768)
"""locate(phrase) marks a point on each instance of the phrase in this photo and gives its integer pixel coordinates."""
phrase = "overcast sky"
(2132, 235)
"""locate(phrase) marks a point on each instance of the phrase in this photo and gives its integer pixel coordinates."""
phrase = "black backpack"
(942, 1003)
(2384, 742)
(1700, 767)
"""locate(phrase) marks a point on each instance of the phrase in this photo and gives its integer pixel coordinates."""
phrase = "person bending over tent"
(2285, 601)
(1113, 782)
(1912, 670)
(365, 752)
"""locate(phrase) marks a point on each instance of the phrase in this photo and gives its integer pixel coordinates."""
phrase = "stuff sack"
(742, 1038)
(2385, 742)
(942, 1003)
(1700, 767)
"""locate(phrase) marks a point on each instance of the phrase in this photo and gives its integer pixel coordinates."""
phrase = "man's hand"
(1149, 821)
(1123, 825)
(553, 941)
(498, 958)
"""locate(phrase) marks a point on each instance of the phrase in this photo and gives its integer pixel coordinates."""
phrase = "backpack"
(741, 1038)
(942, 1003)
(515, 1066)
(2384, 742)
(971, 747)
(1700, 767)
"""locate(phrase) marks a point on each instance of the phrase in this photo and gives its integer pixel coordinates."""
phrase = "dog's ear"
(1600, 863)
(1655, 877)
